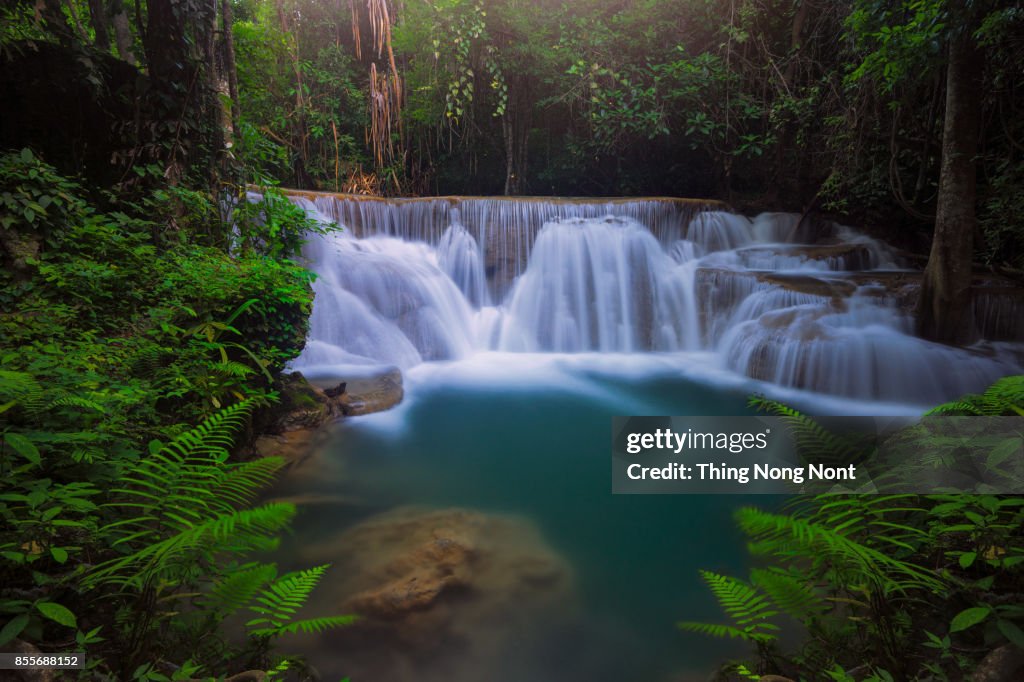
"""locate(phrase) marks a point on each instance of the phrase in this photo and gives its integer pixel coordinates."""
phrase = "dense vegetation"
(898, 114)
(890, 586)
(146, 309)
(124, 531)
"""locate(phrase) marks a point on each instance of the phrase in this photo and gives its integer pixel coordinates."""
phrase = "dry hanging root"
(385, 103)
(385, 88)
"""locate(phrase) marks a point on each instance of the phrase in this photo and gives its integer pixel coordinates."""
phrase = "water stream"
(521, 327)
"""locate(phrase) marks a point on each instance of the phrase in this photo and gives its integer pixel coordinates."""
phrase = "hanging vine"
(469, 30)
(385, 87)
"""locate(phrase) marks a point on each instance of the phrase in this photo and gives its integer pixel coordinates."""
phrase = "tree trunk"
(122, 32)
(173, 74)
(166, 49)
(515, 129)
(227, 21)
(209, 99)
(98, 17)
(946, 289)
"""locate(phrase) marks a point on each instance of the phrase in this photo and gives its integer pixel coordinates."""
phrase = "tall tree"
(946, 290)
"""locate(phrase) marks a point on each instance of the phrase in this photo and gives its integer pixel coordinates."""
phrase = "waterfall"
(386, 300)
(600, 285)
(795, 302)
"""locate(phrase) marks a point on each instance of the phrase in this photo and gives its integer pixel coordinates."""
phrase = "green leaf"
(23, 446)
(1006, 449)
(975, 517)
(967, 558)
(1011, 631)
(59, 554)
(13, 628)
(969, 618)
(57, 613)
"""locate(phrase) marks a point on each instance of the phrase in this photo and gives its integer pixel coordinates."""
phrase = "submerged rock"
(443, 591)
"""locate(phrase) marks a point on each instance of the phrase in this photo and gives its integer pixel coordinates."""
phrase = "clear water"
(522, 327)
(529, 435)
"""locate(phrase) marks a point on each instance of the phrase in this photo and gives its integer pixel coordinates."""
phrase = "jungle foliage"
(125, 531)
(881, 587)
(146, 307)
(835, 106)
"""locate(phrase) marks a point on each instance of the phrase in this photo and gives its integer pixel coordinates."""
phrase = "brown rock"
(18, 646)
(438, 593)
(301, 406)
(295, 446)
(373, 394)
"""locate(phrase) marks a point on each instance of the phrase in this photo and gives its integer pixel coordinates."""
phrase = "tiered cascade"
(798, 303)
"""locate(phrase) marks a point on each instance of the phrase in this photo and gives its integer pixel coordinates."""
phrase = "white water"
(411, 281)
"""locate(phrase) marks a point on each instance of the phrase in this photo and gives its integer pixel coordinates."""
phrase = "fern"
(239, 531)
(744, 604)
(1004, 397)
(787, 535)
(789, 592)
(184, 498)
(22, 389)
(808, 434)
(67, 400)
(19, 388)
(282, 599)
(856, 571)
(148, 361)
(235, 590)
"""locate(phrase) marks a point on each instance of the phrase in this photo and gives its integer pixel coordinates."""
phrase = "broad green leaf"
(1011, 631)
(967, 558)
(1008, 448)
(23, 446)
(969, 618)
(57, 613)
(13, 628)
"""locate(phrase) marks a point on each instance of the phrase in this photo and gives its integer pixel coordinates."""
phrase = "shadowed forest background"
(154, 289)
(837, 107)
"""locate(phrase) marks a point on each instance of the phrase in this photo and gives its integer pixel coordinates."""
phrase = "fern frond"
(186, 481)
(287, 594)
(20, 388)
(725, 632)
(1004, 397)
(744, 604)
(963, 406)
(234, 369)
(785, 535)
(307, 626)
(240, 530)
(74, 401)
(789, 593)
(239, 587)
(740, 601)
(809, 435)
(240, 483)
(278, 603)
(215, 435)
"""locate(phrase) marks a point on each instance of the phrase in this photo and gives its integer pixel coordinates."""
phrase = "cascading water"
(793, 302)
(600, 285)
